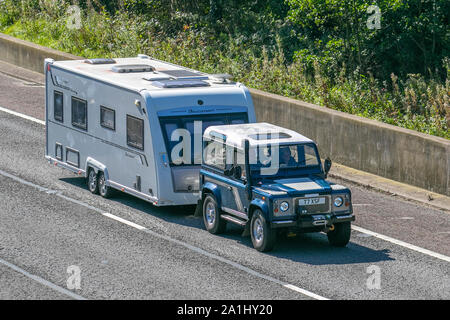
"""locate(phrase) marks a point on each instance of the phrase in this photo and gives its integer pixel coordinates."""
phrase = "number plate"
(311, 201)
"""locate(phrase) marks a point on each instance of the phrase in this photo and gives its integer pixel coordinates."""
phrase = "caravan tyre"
(103, 189)
(92, 181)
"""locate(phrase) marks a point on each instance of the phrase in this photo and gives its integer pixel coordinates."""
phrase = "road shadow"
(314, 249)
(310, 248)
(183, 215)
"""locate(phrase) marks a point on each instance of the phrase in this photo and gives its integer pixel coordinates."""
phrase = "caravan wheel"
(92, 181)
(103, 189)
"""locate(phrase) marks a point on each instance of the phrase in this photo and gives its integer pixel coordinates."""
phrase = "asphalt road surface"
(54, 232)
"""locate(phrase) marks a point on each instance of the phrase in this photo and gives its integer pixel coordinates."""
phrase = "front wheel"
(211, 216)
(263, 237)
(103, 189)
(340, 236)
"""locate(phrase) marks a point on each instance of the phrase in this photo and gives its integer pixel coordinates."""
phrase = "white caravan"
(136, 124)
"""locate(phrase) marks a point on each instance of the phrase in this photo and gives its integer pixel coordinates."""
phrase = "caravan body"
(129, 119)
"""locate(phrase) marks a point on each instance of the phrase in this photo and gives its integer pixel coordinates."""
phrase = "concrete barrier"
(385, 150)
(28, 55)
(368, 145)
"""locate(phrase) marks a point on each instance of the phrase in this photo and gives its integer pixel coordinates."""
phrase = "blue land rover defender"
(269, 179)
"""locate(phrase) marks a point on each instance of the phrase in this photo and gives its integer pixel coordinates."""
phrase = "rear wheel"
(92, 181)
(211, 216)
(340, 236)
(103, 189)
(263, 237)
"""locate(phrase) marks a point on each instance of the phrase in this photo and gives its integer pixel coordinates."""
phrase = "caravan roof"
(145, 73)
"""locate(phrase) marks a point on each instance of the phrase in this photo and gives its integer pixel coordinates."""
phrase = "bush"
(312, 59)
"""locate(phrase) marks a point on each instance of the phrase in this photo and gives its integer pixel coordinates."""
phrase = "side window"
(107, 118)
(79, 113)
(239, 161)
(135, 132)
(58, 106)
(215, 154)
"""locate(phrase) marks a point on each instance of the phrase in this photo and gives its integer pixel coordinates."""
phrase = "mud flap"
(199, 209)
(246, 231)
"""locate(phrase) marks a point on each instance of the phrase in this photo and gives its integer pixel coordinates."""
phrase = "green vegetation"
(320, 51)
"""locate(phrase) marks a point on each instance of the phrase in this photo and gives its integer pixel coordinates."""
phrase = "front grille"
(313, 209)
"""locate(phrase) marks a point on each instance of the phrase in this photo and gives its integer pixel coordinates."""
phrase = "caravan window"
(58, 106)
(107, 118)
(79, 113)
(135, 132)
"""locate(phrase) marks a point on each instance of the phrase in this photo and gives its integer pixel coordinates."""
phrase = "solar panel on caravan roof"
(180, 83)
(181, 73)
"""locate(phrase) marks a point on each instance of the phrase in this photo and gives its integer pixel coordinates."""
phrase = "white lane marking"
(403, 244)
(131, 224)
(42, 281)
(300, 290)
(23, 116)
(167, 238)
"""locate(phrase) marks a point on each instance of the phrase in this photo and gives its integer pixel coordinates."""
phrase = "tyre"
(263, 237)
(211, 216)
(92, 181)
(340, 236)
(103, 189)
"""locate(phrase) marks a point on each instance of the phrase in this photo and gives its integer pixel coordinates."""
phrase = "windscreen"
(273, 159)
(183, 135)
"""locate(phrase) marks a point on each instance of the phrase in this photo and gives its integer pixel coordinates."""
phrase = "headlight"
(284, 206)
(338, 201)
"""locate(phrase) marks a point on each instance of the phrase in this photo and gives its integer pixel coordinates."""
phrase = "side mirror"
(237, 172)
(229, 172)
(327, 166)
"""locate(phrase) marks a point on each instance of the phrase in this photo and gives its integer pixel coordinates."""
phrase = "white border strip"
(23, 116)
(403, 244)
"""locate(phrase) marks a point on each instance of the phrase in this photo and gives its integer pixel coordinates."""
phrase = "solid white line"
(131, 224)
(307, 293)
(403, 244)
(23, 116)
(42, 281)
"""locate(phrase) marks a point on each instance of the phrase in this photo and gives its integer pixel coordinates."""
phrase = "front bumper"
(313, 221)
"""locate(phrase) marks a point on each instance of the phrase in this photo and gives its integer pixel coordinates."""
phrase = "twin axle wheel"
(263, 237)
(97, 184)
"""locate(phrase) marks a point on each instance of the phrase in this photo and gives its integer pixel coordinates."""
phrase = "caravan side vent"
(127, 68)
(180, 83)
(100, 61)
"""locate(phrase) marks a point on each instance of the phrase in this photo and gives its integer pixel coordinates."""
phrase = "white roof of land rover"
(144, 72)
(261, 133)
